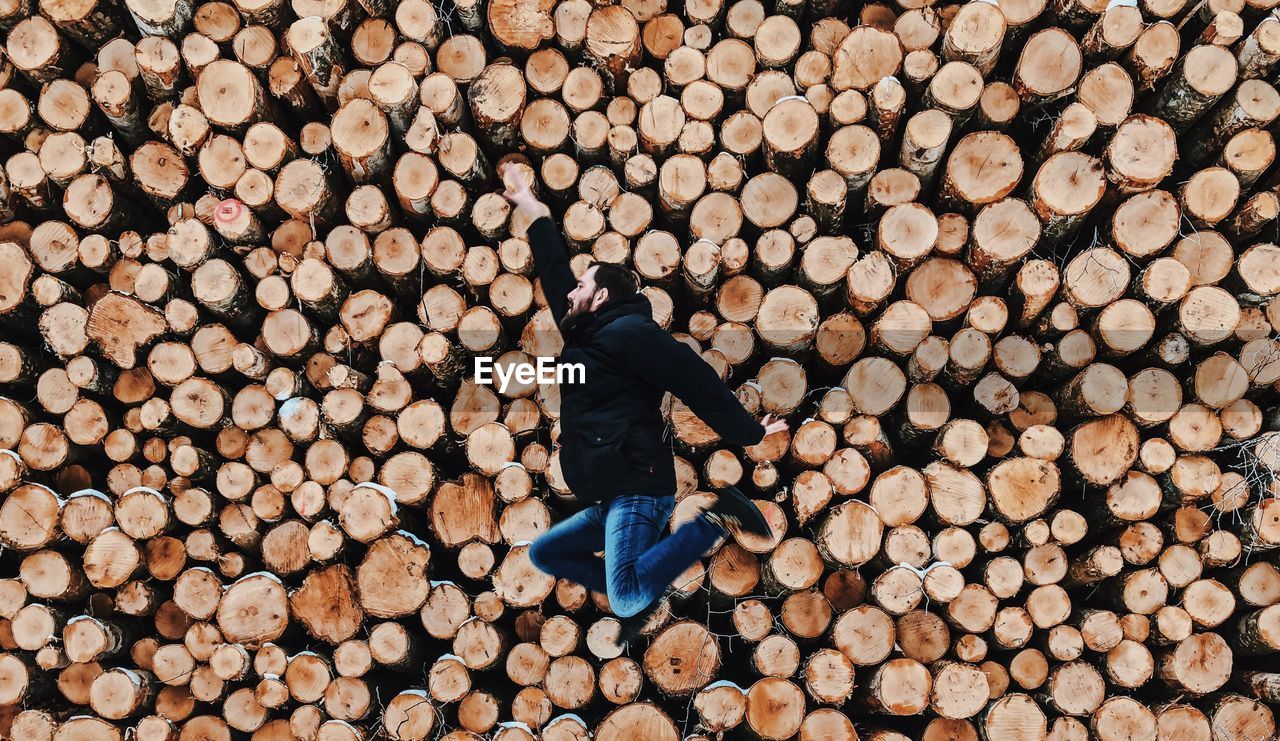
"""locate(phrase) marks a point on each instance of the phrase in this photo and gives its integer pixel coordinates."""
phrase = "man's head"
(600, 284)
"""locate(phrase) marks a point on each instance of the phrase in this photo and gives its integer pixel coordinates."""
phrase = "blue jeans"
(639, 564)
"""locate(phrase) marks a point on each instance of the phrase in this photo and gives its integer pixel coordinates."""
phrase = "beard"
(576, 318)
(576, 309)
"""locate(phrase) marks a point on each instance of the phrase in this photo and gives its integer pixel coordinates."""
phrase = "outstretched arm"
(550, 256)
(674, 367)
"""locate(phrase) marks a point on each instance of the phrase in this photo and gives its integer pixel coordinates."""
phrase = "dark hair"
(618, 280)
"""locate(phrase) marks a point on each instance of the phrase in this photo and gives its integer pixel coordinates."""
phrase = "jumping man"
(611, 429)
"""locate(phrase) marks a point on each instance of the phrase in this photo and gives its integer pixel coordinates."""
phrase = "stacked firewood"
(1008, 269)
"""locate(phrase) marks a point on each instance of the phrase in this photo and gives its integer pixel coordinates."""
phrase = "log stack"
(1009, 269)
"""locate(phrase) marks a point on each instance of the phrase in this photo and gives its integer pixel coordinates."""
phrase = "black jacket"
(611, 426)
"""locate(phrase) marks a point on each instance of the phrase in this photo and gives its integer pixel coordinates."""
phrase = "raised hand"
(772, 425)
(518, 184)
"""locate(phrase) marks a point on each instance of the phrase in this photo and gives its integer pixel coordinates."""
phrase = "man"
(611, 429)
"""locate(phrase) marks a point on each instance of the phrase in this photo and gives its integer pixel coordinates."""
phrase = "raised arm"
(674, 367)
(551, 261)
(550, 256)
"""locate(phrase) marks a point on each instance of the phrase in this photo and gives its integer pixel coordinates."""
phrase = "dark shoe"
(631, 626)
(734, 512)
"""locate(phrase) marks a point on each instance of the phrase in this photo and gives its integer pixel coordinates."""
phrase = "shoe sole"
(764, 530)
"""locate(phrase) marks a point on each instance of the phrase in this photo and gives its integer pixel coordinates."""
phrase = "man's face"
(586, 297)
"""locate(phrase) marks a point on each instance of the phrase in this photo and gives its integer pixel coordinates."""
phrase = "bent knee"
(540, 556)
(627, 606)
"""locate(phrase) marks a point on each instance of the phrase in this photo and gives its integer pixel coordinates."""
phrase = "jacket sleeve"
(551, 260)
(673, 366)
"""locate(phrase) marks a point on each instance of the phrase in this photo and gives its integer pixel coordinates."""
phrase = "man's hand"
(519, 190)
(772, 425)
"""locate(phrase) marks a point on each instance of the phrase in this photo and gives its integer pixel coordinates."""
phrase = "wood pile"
(1009, 269)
